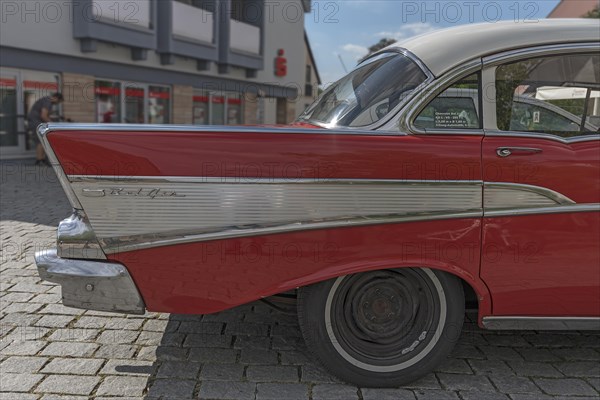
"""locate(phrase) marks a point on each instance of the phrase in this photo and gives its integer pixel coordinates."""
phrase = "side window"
(557, 95)
(455, 108)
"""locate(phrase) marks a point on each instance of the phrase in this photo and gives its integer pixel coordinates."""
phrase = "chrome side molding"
(76, 238)
(542, 323)
(91, 285)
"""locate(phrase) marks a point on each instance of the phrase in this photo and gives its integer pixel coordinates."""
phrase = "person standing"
(39, 114)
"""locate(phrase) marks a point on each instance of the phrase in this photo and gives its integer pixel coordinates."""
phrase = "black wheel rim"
(385, 318)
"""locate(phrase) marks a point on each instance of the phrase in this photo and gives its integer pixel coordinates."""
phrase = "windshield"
(368, 93)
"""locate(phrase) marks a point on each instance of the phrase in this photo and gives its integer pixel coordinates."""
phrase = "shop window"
(234, 110)
(200, 110)
(108, 102)
(217, 108)
(159, 99)
(132, 103)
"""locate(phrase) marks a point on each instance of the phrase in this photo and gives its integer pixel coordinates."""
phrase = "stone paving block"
(128, 367)
(295, 357)
(19, 382)
(575, 354)
(539, 355)
(124, 351)
(206, 328)
(55, 321)
(204, 340)
(316, 374)
(223, 356)
(24, 348)
(272, 373)
(122, 386)
(579, 368)
(69, 349)
(514, 384)
(68, 384)
(61, 309)
(387, 394)
(74, 335)
(247, 328)
(500, 353)
(227, 390)
(455, 366)
(73, 366)
(178, 369)
(429, 381)
(523, 368)
(252, 356)
(279, 391)
(222, 372)
(18, 396)
(22, 365)
(565, 387)
(491, 367)
(117, 337)
(124, 323)
(475, 395)
(466, 382)
(252, 342)
(324, 391)
(435, 395)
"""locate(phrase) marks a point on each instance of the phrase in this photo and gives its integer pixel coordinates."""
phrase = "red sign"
(201, 99)
(280, 64)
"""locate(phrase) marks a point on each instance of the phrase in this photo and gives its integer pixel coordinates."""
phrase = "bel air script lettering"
(142, 192)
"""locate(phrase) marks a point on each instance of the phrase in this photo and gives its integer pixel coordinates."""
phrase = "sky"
(346, 28)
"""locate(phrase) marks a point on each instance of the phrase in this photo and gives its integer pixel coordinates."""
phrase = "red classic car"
(464, 163)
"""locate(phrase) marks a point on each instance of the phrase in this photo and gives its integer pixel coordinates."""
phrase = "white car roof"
(443, 49)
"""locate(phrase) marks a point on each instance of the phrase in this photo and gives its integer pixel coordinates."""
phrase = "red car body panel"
(544, 264)
(190, 278)
(212, 276)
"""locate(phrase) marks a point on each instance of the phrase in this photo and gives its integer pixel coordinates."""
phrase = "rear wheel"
(382, 328)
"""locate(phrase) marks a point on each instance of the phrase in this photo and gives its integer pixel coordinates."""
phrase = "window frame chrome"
(422, 99)
(490, 63)
(380, 126)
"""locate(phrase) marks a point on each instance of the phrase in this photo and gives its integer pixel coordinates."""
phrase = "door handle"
(508, 151)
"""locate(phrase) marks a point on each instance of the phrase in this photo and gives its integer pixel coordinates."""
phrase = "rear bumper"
(92, 285)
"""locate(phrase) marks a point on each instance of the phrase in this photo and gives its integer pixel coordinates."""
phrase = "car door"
(541, 170)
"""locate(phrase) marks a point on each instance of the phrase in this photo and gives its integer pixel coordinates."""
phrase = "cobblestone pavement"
(48, 351)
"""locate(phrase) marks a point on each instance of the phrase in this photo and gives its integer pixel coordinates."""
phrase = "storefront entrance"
(19, 90)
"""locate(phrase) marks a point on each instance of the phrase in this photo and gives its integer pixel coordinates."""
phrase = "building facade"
(153, 61)
(573, 8)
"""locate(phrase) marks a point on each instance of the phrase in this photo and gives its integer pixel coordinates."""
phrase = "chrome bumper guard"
(92, 285)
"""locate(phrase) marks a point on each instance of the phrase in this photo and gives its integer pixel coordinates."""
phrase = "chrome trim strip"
(574, 208)
(545, 136)
(142, 206)
(262, 181)
(539, 51)
(506, 195)
(57, 126)
(138, 242)
(541, 323)
(76, 238)
(92, 285)
(42, 132)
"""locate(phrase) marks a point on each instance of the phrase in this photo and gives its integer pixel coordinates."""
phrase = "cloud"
(408, 30)
(356, 51)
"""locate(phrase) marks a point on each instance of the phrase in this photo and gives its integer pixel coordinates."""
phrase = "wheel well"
(471, 302)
